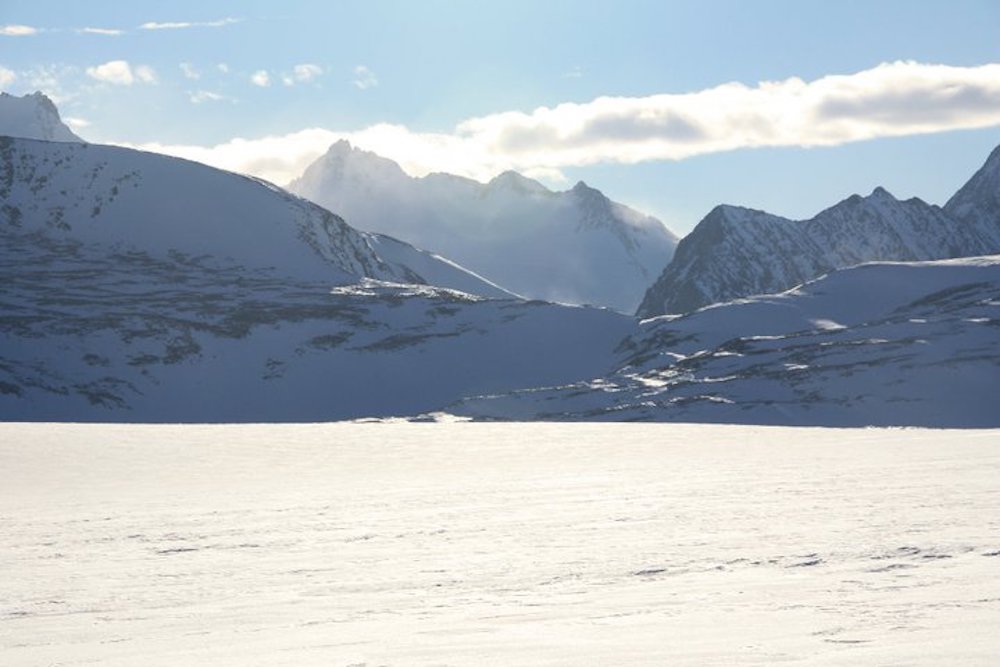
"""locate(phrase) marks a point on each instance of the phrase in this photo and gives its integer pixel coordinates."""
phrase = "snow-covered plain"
(497, 544)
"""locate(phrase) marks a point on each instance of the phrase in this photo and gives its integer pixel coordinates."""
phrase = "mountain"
(123, 200)
(878, 344)
(32, 116)
(977, 203)
(139, 287)
(574, 247)
(737, 252)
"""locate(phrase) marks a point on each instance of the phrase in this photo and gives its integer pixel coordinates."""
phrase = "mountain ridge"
(575, 246)
(736, 252)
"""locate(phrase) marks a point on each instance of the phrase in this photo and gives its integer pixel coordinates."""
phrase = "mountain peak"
(881, 194)
(511, 179)
(977, 202)
(33, 116)
(340, 146)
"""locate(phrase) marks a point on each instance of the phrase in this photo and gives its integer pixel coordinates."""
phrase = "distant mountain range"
(738, 252)
(138, 287)
(575, 247)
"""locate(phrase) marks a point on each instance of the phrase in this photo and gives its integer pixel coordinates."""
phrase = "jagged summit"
(33, 116)
(977, 203)
(575, 246)
(737, 252)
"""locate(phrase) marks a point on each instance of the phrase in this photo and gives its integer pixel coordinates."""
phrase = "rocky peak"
(33, 116)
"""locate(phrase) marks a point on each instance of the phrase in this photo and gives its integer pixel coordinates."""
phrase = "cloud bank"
(892, 99)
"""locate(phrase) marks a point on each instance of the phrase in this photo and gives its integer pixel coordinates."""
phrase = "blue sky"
(190, 82)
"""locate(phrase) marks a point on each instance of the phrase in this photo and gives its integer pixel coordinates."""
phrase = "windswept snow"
(477, 544)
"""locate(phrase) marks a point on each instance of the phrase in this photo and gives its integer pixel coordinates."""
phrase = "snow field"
(497, 544)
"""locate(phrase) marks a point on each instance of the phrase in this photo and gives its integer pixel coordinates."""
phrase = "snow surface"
(497, 544)
(573, 247)
(892, 344)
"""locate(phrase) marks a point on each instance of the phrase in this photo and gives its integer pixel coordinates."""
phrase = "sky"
(671, 107)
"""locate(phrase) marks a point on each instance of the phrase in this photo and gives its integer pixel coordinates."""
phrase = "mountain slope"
(121, 199)
(736, 252)
(32, 116)
(913, 344)
(573, 247)
(144, 288)
(133, 337)
(977, 203)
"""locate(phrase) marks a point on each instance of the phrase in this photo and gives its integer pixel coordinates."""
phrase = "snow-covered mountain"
(32, 116)
(575, 246)
(878, 344)
(737, 252)
(121, 200)
(139, 287)
(977, 203)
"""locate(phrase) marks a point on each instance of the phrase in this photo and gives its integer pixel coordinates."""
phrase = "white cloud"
(893, 99)
(7, 77)
(575, 73)
(112, 32)
(181, 25)
(277, 158)
(303, 73)
(120, 73)
(223, 67)
(202, 96)
(76, 123)
(190, 71)
(261, 78)
(306, 72)
(364, 78)
(145, 74)
(17, 30)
